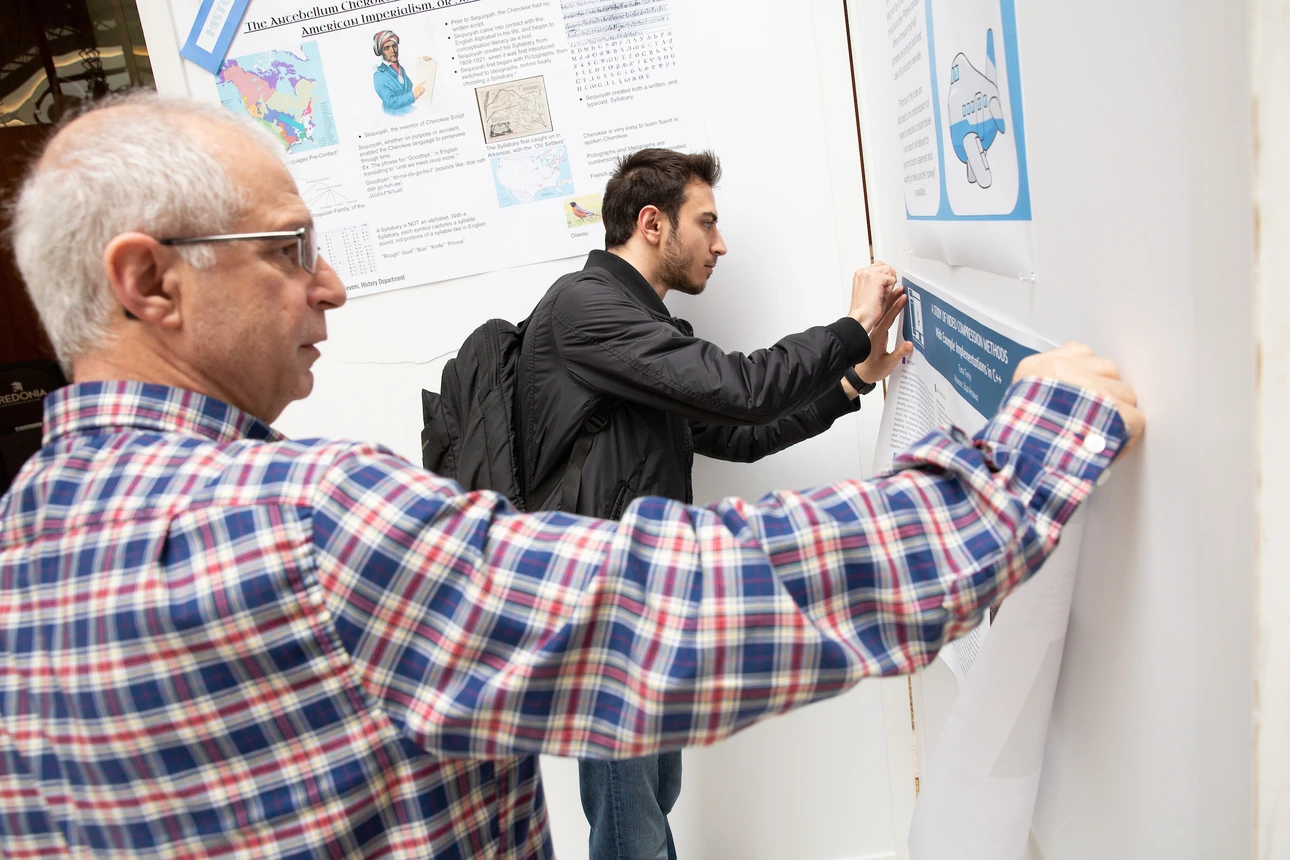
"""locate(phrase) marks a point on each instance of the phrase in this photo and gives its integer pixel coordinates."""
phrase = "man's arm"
(747, 443)
(487, 633)
(611, 345)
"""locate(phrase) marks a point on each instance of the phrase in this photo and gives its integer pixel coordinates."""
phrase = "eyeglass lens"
(309, 250)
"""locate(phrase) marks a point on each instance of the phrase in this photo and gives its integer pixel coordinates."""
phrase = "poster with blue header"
(961, 133)
(961, 367)
(985, 739)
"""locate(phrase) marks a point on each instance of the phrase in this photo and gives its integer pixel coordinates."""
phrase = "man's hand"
(880, 362)
(418, 91)
(871, 295)
(1076, 364)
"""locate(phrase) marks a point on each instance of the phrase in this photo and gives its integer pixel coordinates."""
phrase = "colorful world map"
(284, 91)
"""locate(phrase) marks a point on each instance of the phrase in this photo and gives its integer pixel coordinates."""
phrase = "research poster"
(977, 797)
(961, 133)
(433, 140)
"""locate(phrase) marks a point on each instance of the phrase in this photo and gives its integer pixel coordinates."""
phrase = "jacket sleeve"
(747, 443)
(610, 344)
(484, 633)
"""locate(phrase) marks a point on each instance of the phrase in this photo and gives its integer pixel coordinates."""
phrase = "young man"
(601, 346)
(602, 341)
(215, 641)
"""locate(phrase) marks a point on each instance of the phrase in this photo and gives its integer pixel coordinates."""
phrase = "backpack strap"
(595, 422)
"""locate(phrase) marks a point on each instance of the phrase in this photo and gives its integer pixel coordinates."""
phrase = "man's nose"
(719, 246)
(327, 292)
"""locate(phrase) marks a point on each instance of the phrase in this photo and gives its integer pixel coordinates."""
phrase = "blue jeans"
(627, 802)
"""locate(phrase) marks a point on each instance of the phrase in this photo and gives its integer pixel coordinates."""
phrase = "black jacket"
(603, 337)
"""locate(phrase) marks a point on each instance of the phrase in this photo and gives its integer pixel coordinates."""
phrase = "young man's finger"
(890, 316)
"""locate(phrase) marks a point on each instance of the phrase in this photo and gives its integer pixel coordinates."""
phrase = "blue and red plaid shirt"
(218, 642)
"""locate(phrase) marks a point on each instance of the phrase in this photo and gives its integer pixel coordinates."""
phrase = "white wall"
(1271, 68)
(779, 111)
(1138, 124)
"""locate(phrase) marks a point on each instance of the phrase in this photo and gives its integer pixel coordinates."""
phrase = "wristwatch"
(857, 383)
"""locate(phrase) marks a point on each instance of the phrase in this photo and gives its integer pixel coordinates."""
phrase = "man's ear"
(145, 277)
(649, 222)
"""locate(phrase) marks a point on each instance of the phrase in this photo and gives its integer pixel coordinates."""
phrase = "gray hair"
(134, 169)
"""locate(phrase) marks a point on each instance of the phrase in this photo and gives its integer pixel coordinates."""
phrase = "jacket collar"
(94, 408)
(625, 273)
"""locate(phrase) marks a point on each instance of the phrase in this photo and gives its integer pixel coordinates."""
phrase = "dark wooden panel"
(21, 336)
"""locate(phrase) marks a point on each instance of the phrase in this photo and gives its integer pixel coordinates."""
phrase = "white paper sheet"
(978, 795)
(427, 71)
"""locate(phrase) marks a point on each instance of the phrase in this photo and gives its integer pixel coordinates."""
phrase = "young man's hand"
(882, 362)
(871, 294)
(1077, 364)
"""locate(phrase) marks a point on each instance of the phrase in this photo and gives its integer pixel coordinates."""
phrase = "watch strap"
(857, 383)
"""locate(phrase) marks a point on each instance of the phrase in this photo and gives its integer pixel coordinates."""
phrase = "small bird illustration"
(579, 211)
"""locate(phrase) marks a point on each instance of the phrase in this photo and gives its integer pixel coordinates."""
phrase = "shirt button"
(1094, 443)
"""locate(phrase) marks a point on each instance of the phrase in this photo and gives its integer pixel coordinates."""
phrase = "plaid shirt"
(217, 642)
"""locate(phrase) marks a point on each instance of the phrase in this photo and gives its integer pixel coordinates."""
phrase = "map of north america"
(284, 91)
(529, 176)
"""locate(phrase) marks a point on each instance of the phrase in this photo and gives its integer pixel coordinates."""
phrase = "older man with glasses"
(215, 641)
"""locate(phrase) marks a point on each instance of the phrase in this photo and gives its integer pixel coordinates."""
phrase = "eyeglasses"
(306, 247)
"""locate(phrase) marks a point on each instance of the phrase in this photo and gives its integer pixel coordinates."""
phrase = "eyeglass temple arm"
(234, 237)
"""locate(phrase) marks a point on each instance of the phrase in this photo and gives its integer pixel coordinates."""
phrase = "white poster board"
(484, 145)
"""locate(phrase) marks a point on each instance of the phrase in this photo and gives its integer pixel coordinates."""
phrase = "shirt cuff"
(1066, 428)
(1053, 442)
(1058, 440)
(854, 339)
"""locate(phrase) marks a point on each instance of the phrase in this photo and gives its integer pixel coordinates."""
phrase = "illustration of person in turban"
(393, 82)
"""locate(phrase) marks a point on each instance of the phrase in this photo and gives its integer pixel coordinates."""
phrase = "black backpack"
(471, 429)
